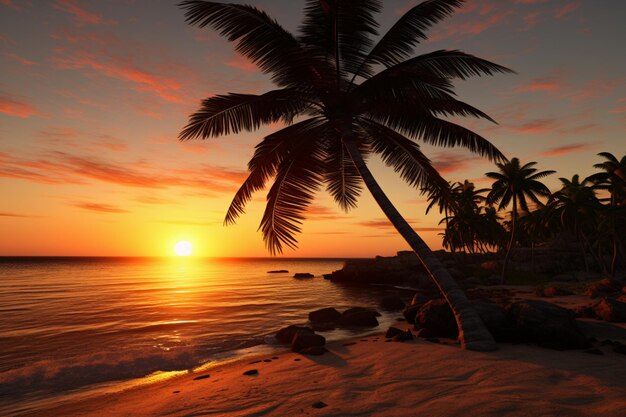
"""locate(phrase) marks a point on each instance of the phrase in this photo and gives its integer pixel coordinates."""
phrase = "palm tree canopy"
(520, 181)
(337, 75)
(612, 178)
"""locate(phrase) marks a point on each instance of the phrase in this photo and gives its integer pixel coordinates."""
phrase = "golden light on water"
(183, 248)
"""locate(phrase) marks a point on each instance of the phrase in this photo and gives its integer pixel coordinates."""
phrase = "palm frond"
(405, 157)
(298, 177)
(437, 132)
(268, 155)
(231, 113)
(398, 43)
(342, 179)
(259, 38)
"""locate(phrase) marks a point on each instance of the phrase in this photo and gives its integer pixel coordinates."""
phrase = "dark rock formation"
(286, 334)
(604, 287)
(359, 316)
(547, 325)
(303, 275)
(303, 341)
(435, 319)
(278, 271)
(325, 315)
(609, 309)
(551, 291)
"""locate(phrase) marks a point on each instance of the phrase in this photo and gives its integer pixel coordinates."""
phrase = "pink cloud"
(567, 9)
(530, 1)
(20, 59)
(100, 208)
(487, 16)
(9, 3)
(566, 149)
(551, 83)
(17, 108)
(595, 89)
(81, 15)
(531, 20)
(121, 69)
(242, 63)
(447, 162)
(537, 126)
(65, 168)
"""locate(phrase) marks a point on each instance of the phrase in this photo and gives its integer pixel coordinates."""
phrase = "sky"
(94, 93)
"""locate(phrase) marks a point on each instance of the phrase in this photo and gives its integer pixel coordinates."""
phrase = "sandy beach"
(372, 377)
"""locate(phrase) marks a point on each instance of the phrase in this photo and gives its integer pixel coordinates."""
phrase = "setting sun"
(183, 248)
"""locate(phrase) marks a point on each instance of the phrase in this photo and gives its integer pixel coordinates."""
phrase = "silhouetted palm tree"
(513, 184)
(344, 97)
(613, 180)
(576, 207)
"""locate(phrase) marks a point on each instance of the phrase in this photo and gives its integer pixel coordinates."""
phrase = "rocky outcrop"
(359, 316)
(325, 315)
(286, 334)
(302, 341)
(547, 325)
(435, 319)
(391, 303)
(609, 309)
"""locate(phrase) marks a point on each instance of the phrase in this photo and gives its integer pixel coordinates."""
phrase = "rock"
(314, 351)
(359, 317)
(359, 309)
(278, 271)
(303, 341)
(496, 320)
(403, 336)
(491, 266)
(202, 377)
(392, 303)
(319, 404)
(419, 299)
(564, 278)
(547, 325)
(325, 315)
(392, 331)
(586, 312)
(551, 291)
(604, 287)
(609, 309)
(319, 326)
(251, 372)
(437, 319)
(303, 275)
(286, 334)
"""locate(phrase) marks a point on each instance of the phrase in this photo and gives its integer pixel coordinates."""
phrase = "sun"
(183, 248)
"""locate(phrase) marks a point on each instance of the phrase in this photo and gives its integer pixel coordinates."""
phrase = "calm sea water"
(71, 325)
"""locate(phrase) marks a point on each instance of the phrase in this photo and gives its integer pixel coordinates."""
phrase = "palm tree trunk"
(508, 250)
(473, 334)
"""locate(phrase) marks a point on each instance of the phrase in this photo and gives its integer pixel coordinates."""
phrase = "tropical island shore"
(374, 376)
(369, 377)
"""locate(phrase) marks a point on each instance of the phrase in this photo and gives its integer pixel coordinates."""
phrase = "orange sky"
(93, 95)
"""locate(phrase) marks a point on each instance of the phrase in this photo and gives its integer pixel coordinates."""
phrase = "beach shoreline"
(367, 376)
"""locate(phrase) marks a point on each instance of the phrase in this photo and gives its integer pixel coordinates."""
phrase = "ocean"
(73, 327)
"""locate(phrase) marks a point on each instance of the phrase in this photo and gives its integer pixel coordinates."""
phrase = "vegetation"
(591, 213)
(344, 97)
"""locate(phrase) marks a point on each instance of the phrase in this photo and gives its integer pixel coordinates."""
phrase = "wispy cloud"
(24, 216)
(563, 11)
(15, 107)
(550, 83)
(79, 12)
(66, 168)
(537, 126)
(100, 208)
(315, 212)
(566, 149)
(448, 162)
(20, 59)
(242, 63)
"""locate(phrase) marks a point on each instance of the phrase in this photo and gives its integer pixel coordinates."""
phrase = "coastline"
(367, 376)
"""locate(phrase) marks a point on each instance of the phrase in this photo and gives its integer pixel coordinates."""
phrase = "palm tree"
(513, 184)
(339, 111)
(613, 180)
(576, 206)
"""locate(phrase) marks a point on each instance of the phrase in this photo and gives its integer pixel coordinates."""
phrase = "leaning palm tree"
(343, 98)
(513, 184)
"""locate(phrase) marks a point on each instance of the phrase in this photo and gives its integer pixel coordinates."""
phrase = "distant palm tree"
(613, 180)
(576, 206)
(344, 98)
(514, 183)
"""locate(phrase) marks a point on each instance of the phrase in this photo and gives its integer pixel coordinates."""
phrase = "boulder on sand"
(325, 315)
(286, 334)
(304, 340)
(435, 319)
(609, 309)
(547, 325)
(359, 316)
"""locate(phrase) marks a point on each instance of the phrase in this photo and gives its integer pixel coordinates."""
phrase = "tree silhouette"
(513, 183)
(345, 97)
